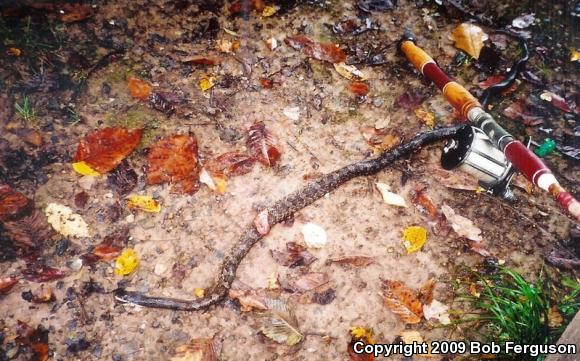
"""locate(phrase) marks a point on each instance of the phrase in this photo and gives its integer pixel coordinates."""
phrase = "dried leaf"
(360, 334)
(324, 297)
(249, 299)
(122, 179)
(414, 238)
(174, 159)
(354, 261)
(479, 248)
(410, 99)
(314, 235)
(207, 82)
(437, 310)
(30, 231)
(349, 72)
(308, 281)
(426, 117)
(358, 88)
(556, 100)
(424, 203)
(518, 110)
(461, 225)
(295, 255)
(292, 113)
(555, 318)
(574, 55)
(81, 199)
(261, 223)
(14, 52)
(13, 204)
(105, 149)
(425, 293)
(231, 164)
(321, 51)
(469, 38)
(35, 338)
(279, 323)
(144, 203)
(380, 139)
(263, 144)
(408, 337)
(43, 294)
(65, 221)
(106, 252)
(83, 168)
(6, 284)
(38, 272)
(402, 301)
(138, 88)
(126, 263)
(390, 197)
(199, 349)
(201, 60)
(454, 180)
(227, 46)
(215, 182)
(71, 13)
(164, 101)
(269, 11)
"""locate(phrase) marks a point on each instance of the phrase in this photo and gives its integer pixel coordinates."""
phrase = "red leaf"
(138, 88)
(517, 110)
(106, 148)
(354, 261)
(174, 159)
(295, 255)
(41, 273)
(107, 252)
(74, 12)
(424, 203)
(12, 204)
(29, 231)
(81, 199)
(321, 51)
(263, 144)
(358, 88)
(410, 99)
(201, 60)
(246, 6)
(231, 164)
(6, 284)
(267, 83)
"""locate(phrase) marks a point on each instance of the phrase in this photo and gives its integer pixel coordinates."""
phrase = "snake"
(280, 211)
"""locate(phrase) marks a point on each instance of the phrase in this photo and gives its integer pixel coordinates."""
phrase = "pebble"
(130, 218)
(160, 269)
(87, 182)
(75, 264)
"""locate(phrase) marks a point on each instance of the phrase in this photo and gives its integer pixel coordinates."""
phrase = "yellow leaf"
(426, 117)
(414, 238)
(574, 55)
(350, 72)
(199, 292)
(84, 169)
(362, 333)
(126, 262)
(14, 52)
(216, 183)
(207, 82)
(469, 38)
(144, 203)
(227, 46)
(269, 11)
(408, 337)
(231, 32)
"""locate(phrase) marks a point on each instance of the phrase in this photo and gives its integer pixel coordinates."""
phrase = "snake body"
(278, 212)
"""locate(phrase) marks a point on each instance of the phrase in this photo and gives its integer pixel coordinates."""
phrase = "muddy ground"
(75, 74)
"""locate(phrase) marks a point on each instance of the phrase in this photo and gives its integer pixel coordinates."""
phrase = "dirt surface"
(81, 71)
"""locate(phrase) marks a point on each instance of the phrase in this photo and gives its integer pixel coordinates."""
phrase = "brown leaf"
(250, 299)
(43, 294)
(30, 231)
(174, 159)
(424, 203)
(107, 252)
(35, 338)
(74, 12)
(469, 38)
(201, 60)
(353, 261)
(360, 334)
(246, 6)
(358, 88)
(12, 203)
(106, 148)
(425, 293)
(324, 297)
(556, 100)
(81, 199)
(279, 323)
(138, 88)
(122, 179)
(6, 284)
(295, 255)
(380, 139)
(30, 136)
(261, 223)
(402, 301)
(231, 164)
(321, 51)
(455, 180)
(307, 282)
(165, 102)
(410, 99)
(479, 248)
(199, 349)
(263, 144)
(41, 273)
(517, 111)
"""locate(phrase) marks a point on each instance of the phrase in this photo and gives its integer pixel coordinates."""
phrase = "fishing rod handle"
(459, 97)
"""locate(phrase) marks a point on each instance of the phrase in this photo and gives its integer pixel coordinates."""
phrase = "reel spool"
(471, 151)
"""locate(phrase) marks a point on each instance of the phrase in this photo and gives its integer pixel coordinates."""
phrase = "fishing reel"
(470, 150)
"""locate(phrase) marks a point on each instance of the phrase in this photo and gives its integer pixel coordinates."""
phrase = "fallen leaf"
(308, 281)
(38, 272)
(390, 197)
(216, 182)
(279, 323)
(517, 110)
(35, 338)
(437, 310)
(349, 72)
(272, 43)
(14, 52)
(267, 83)
(555, 318)
(83, 168)
(314, 235)
(426, 117)
(144, 203)
(574, 55)
(410, 99)
(523, 21)
(469, 38)
(165, 102)
(292, 113)
(104, 149)
(126, 263)
(174, 159)
(199, 349)
(138, 88)
(479, 248)
(231, 164)
(207, 82)
(358, 88)
(354, 261)
(402, 301)
(295, 255)
(106, 252)
(360, 334)
(380, 139)
(461, 225)
(414, 238)
(473, 290)
(321, 51)
(324, 297)
(13, 204)
(199, 292)
(425, 293)
(71, 13)
(6, 284)
(273, 282)
(556, 100)
(424, 203)
(43, 294)
(227, 46)
(65, 221)
(122, 179)
(261, 223)
(269, 11)
(29, 231)
(408, 337)
(454, 180)
(249, 299)
(263, 144)
(201, 60)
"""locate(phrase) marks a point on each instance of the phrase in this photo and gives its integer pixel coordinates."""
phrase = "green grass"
(25, 110)
(510, 308)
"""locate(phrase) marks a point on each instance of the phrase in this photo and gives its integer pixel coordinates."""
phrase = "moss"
(139, 117)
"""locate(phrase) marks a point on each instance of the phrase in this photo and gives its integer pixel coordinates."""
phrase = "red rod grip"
(525, 161)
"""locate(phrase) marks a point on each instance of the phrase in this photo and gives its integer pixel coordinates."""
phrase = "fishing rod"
(482, 147)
